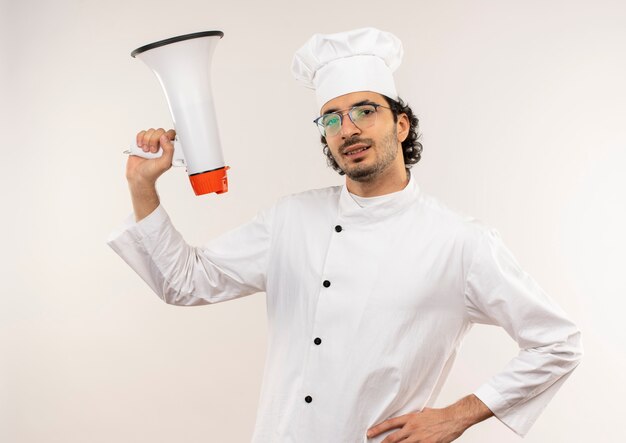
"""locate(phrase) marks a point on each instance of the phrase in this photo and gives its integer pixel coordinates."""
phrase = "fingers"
(140, 139)
(171, 134)
(149, 140)
(392, 423)
(397, 437)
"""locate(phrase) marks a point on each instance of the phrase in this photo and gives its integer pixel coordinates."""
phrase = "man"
(370, 286)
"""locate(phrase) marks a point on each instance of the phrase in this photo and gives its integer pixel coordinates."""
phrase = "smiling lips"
(355, 149)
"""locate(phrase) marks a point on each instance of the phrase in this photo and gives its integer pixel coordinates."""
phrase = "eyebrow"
(361, 103)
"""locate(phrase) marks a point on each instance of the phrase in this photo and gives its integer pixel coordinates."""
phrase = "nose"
(348, 128)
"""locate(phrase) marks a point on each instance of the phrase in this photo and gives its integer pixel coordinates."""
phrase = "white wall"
(522, 107)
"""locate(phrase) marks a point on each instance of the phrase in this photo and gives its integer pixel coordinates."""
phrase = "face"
(369, 153)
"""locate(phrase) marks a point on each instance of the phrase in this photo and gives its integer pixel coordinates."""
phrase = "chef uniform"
(368, 299)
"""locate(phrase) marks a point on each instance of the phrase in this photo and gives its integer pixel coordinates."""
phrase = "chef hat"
(359, 60)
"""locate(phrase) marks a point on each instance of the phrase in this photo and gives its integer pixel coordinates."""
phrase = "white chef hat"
(359, 60)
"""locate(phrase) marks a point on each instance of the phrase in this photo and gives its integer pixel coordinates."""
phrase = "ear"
(403, 126)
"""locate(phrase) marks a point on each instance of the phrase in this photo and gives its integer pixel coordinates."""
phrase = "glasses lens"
(331, 123)
(363, 116)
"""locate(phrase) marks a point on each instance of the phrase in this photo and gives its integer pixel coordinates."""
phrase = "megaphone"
(183, 67)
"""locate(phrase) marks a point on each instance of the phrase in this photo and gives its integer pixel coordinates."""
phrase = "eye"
(361, 112)
(330, 120)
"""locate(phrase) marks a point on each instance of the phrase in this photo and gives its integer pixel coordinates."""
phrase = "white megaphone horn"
(183, 66)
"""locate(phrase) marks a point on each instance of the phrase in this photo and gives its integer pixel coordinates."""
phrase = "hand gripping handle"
(177, 160)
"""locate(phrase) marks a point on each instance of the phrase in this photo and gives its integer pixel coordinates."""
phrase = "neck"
(383, 184)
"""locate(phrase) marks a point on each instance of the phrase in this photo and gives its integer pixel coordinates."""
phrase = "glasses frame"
(342, 112)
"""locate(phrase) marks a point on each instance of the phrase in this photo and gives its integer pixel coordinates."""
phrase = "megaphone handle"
(177, 160)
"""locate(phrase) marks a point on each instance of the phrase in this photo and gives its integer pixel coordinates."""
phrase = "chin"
(362, 175)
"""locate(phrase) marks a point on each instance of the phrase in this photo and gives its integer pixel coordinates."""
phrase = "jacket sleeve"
(231, 266)
(498, 292)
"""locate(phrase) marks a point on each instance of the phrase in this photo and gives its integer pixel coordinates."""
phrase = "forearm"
(145, 199)
(160, 256)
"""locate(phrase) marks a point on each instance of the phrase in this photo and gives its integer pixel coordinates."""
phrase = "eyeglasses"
(363, 116)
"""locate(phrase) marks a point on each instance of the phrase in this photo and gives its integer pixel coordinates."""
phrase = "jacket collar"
(350, 211)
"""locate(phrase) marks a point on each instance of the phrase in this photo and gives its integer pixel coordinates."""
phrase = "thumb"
(168, 151)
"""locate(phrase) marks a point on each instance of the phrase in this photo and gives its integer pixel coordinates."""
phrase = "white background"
(522, 107)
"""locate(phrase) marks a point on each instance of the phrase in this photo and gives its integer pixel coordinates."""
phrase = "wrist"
(141, 185)
(468, 411)
(144, 197)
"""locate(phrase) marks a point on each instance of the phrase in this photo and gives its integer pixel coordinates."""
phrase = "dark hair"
(411, 147)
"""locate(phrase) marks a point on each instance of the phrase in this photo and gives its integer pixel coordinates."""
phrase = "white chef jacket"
(366, 308)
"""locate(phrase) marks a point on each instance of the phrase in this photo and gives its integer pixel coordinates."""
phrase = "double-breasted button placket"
(317, 340)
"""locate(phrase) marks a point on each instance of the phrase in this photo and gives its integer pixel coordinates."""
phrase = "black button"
(317, 341)
(326, 283)
(308, 399)
(338, 228)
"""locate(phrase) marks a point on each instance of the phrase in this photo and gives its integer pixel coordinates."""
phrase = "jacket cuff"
(498, 405)
(143, 228)
(154, 222)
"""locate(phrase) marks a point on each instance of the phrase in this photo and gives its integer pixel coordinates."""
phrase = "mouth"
(355, 149)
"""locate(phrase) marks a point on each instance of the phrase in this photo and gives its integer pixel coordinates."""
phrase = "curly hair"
(411, 147)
